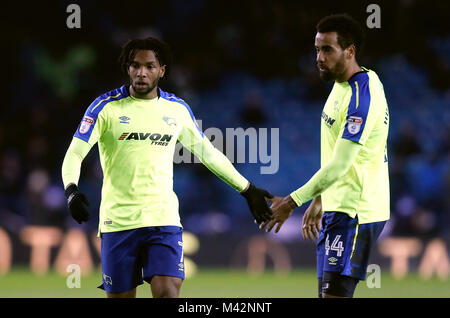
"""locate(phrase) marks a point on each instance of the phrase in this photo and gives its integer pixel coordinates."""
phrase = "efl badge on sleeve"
(354, 124)
(86, 124)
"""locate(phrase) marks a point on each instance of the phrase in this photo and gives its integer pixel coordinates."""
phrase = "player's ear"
(350, 52)
(162, 71)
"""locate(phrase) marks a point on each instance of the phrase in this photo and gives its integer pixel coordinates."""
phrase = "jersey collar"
(358, 75)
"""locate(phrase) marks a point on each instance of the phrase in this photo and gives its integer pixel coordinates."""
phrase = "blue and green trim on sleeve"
(358, 107)
(87, 124)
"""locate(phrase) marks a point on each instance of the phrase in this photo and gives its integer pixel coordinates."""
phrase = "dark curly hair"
(349, 31)
(161, 49)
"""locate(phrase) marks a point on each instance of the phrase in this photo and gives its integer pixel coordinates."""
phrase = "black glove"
(256, 202)
(77, 203)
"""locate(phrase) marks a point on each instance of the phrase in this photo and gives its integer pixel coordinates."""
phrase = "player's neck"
(151, 95)
(349, 72)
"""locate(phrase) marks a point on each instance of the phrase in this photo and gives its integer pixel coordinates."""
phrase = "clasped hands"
(283, 207)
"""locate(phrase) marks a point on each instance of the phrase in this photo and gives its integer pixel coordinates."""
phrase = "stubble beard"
(144, 92)
(333, 74)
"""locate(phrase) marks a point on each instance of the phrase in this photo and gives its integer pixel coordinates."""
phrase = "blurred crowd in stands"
(237, 64)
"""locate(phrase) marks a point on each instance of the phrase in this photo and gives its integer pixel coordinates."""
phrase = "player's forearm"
(71, 166)
(343, 157)
(212, 158)
(219, 164)
(323, 179)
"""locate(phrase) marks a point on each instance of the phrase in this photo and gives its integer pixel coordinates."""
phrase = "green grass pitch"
(220, 283)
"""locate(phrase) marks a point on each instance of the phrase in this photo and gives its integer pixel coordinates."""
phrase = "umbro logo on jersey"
(170, 121)
(124, 120)
(332, 260)
(156, 139)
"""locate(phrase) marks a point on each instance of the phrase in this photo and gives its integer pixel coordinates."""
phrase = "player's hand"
(312, 219)
(77, 204)
(257, 202)
(282, 209)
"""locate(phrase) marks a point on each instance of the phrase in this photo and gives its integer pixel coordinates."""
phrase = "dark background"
(237, 64)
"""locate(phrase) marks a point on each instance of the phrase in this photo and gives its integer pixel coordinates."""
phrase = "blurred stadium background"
(238, 64)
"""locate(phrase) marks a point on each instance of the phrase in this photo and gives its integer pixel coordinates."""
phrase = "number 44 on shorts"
(337, 245)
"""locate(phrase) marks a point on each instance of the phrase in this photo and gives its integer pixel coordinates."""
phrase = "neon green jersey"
(136, 140)
(357, 110)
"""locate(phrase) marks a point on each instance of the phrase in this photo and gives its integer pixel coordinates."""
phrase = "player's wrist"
(295, 198)
(70, 190)
(73, 194)
(289, 201)
(250, 189)
(246, 188)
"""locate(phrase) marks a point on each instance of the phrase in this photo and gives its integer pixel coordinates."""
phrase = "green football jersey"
(357, 110)
(136, 140)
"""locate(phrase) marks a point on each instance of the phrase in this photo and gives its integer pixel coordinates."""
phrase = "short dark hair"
(349, 31)
(162, 52)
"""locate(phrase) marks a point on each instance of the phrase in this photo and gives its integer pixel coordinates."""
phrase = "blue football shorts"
(344, 245)
(129, 257)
